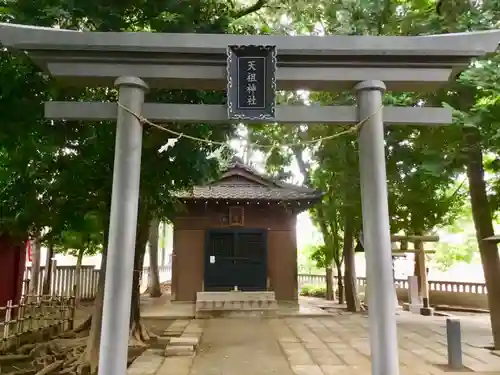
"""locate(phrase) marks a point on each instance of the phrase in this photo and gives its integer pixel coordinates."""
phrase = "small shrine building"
(239, 233)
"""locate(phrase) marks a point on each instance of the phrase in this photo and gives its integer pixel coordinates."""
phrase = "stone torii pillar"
(113, 350)
(376, 230)
(422, 276)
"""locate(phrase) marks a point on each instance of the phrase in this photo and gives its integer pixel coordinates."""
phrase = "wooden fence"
(63, 280)
(33, 319)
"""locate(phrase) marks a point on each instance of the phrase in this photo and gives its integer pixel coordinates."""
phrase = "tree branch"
(297, 152)
(439, 4)
(259, 4)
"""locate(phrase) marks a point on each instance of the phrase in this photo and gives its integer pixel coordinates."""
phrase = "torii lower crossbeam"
(217, 114)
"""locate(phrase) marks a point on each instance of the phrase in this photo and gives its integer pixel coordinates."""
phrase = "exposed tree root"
(59, 355)
(50, 368)
(74, 335)
(12, 358)
(77, 366)
(165, 288)
(85, 326)
(67, 354)
(22, 372)
(78, 363)
(140, 335)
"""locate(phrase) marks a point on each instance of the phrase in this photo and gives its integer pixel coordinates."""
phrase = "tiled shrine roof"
(242, 182)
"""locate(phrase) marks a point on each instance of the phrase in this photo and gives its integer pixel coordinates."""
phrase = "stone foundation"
(235, 303)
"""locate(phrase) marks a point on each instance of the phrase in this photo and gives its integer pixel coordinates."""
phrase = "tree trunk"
(36, 255)
(163, 244)
(351, 286)
(138, 332)
(154, 287)
(329, 283)
(340, 284)
(48, 270)
(78, 273)
(482, 217)
(329, 243)
(416, 272)
(91, 355)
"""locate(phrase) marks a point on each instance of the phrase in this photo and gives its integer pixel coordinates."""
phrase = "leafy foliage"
(27, 147)
(449, 254)
(64, 169)
(58, 175)
(88, 240)
(423, 164)
(313, 291)
(306, 262)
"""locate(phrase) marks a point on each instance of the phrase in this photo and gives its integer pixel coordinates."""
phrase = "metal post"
(454, 341)
(376, 232)
(122, 230)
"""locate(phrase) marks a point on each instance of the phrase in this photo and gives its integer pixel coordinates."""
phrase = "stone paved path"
(329, 346)
(245, 346)
(334, 345)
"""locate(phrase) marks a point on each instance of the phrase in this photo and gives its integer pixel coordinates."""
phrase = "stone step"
(256, 303)
(172, 333)
(176, 328)
(180, 323)
(179, 350)
(184, 341)
(236, 305)
(235, 296)
(193, 333)
(163, 340)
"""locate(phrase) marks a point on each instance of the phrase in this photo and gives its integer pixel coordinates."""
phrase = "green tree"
(27, 148)
(422, 163)
(305, 262)
(339, 216)
(88, 240)
(76, 177)
(448, 254)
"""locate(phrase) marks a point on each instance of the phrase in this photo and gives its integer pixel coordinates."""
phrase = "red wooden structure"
(12, 263)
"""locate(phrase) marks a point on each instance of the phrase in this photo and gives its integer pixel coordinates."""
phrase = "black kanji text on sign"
(251, 87)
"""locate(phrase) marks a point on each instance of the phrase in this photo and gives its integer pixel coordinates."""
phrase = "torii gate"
(132, 62)
(418, 285)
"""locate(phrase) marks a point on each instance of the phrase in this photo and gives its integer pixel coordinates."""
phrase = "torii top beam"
(198, 61)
